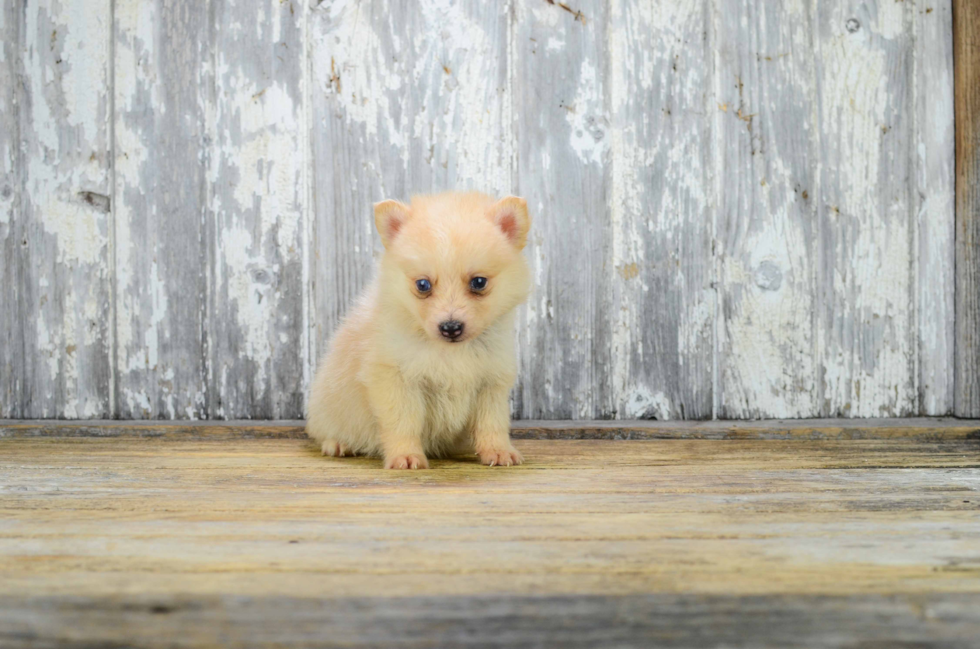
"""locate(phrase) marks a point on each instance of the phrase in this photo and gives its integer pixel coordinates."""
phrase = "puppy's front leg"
(400, 412)
(491, 429)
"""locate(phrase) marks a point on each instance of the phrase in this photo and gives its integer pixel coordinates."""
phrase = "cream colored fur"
(391, 385)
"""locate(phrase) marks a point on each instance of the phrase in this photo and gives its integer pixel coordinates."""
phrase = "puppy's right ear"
(389, 217)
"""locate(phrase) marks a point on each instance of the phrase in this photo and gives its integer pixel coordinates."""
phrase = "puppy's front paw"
(506, 457)
(410, 461)
(335, 449)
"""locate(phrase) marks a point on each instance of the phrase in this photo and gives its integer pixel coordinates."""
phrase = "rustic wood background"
(744, 208)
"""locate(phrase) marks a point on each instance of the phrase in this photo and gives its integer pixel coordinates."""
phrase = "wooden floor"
(174, 535)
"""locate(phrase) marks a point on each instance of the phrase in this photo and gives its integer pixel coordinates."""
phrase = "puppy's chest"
(449, 408)
(450, 394)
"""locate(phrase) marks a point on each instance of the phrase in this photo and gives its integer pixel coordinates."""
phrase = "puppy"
(423, 365)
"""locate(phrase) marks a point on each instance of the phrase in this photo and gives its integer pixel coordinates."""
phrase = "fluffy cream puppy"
(424, 364)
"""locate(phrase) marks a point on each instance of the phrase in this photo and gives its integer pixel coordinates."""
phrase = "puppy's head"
(453, 261)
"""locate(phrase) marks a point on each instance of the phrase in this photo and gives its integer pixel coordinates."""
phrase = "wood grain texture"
(12, 360)
(127, 539)
(406, 98)
(742, 208)
(162, 79)
(660, 300)
(766, 161)
(966, 30)
(57, 107)
(561, 107)
(933, 202)
(258, 212)
(944, 621)
(866, 335)
(931, 429)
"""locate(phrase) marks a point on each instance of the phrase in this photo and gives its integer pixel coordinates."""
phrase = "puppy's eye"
(423, 285)
(478, 283)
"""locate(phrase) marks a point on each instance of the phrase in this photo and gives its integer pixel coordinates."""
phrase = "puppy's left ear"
(510, 215)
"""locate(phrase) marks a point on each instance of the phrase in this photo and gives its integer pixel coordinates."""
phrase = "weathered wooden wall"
(743, 208)
(967, 60)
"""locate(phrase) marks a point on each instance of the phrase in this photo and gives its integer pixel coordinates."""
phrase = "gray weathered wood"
(199, 540)
(933, 204)
(931, 429)
(560, 85)
(966, 29)
(406, 98)
(12, 363)
(742, 208)
(864, 117)
(162, 89)
(765, 178)
(56, 291)
(640, 621)
(661, 307)
(258, 217)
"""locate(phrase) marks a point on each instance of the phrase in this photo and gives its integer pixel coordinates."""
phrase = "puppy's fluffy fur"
(395, 383)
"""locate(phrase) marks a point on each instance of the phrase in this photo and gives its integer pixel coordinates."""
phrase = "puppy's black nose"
(451, 329)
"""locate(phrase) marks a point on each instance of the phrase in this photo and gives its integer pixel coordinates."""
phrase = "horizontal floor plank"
(669, 621)
(921, 428)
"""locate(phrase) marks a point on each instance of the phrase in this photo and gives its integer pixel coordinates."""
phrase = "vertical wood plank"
(11, 225)
(662, 304)
(866, 336)
(562, 112)
(58, 236)
(11, 235)
(933, 204)
(966, 56)
(257, 212)
(767, 209)
(408, 97)
(162, 90)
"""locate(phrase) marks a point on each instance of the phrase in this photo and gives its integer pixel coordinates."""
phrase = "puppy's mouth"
(455, 341)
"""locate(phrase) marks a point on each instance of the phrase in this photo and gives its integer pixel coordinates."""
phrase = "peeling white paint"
(657, 193)
(159, 102)
(256, 168)
(586, 117)
(84, 54)
(934, 191)
(135, 46)
(159, 302)
(62, 108)
(430, 103)
(864, 339)
(351, 61)
(253, 321)
(471, 108)
(891, 19)
(78, 229)
(68, 91)
(644, 404)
